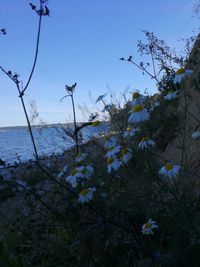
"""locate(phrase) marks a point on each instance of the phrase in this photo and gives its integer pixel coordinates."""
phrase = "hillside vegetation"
(131, 195)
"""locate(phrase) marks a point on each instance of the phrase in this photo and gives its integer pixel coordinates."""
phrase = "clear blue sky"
(81, 42)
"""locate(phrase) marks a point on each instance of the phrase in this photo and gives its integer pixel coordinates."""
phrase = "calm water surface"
(15, 143)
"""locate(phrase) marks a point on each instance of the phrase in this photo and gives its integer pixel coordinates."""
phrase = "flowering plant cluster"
(118, 199)
(129, 178)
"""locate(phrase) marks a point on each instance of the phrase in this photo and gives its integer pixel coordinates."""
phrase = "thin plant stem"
(184, 131)
(143, 69)
(36, 53)
(25, 112)
(152, 58)
(76, 129)
(29, 128)
(75, 124)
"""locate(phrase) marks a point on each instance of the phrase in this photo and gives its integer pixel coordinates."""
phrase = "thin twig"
(152, 58)
(63, 97)
(36, 52)
(10, 77)
(29, 126)
(75, 124)
(143, 69)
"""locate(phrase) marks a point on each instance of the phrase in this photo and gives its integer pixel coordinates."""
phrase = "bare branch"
(36, 54)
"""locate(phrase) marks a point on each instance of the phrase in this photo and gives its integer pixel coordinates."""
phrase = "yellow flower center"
(135, 95)
(111, 148)
(137, 108)
(124, 152)
(144, 139)
(168, 167)
(96, 123)
(129, 129)
(110, 160)
(180, 71)
(84, 171)
(84, 192)
(147, 226)
(73, 172)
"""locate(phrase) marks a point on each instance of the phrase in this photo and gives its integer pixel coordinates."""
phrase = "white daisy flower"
(155, 105)
(147, 228)
(138, 114)
(86, 195)
(130, 132)
(80, 157)
(196, 134)
(97, 128)
(113, 163)
(72, 178)
(137, 98)
(181, 74)
(146, 142)
(169, 170)
(60, 175)
(112, 151)
(110, 141)
(85, 171)
(171, 95)
(126, 155)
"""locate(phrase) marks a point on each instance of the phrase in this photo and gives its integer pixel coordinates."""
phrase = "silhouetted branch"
(81, 127)
(70, 90)
(36, 52)
(64, 97)
(140, 67)
(152, 58)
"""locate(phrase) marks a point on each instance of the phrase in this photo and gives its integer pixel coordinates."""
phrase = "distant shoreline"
(36, 126)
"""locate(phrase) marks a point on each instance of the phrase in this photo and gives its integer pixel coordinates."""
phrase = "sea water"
(16, 145)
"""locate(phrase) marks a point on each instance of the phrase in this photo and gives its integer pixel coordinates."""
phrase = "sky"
(82, 42)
